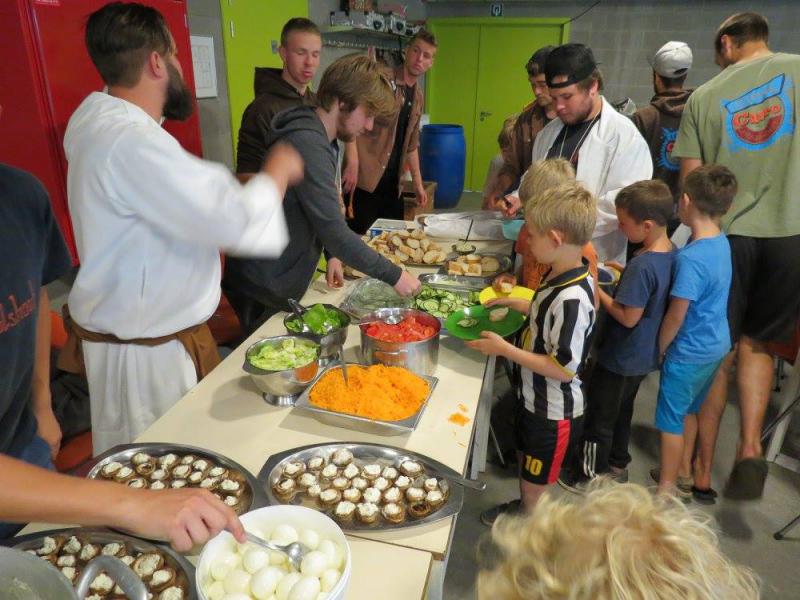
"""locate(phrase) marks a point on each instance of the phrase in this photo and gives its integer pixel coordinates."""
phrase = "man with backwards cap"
(658, 121)
(605, 148)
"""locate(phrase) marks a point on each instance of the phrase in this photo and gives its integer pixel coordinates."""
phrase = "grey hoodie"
(314, 220)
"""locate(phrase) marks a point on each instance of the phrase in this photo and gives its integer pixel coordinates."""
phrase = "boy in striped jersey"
(553, 349)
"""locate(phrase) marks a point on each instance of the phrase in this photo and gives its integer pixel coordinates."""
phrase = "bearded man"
(150, 220)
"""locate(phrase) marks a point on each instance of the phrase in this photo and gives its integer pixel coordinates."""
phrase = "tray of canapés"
(164, 466)
(363, 486)
(166, 574)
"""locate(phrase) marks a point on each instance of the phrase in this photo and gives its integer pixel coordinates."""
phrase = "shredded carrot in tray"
(377, 392)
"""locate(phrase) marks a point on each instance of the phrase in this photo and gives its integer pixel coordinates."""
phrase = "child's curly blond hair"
(619, 542)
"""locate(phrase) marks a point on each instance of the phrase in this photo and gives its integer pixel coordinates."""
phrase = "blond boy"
(553, 350)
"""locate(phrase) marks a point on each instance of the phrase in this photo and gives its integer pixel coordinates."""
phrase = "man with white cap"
(658, 121)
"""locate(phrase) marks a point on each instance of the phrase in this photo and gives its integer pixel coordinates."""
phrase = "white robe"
(149, 221)
(613, 155)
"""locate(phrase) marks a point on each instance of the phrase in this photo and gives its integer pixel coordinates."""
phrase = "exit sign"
(496, 10)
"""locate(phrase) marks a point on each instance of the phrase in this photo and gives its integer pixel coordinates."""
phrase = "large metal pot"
(330, 343)
(27, 577)
(418, 357)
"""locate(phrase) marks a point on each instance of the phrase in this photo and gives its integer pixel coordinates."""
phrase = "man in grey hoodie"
(658, 121)
(352, 94)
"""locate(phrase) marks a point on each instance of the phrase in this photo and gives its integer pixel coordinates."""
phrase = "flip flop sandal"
(702, 496)
(747, 478)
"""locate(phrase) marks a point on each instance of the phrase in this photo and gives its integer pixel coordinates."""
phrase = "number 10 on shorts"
(533, 465)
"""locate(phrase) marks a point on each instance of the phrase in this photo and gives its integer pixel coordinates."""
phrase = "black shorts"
(764, 302)
(545, 445)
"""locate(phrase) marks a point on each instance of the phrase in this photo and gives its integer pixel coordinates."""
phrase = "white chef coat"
(149, 221)
(613, 155)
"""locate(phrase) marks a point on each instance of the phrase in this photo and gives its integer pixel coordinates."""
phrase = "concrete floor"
(745, 528)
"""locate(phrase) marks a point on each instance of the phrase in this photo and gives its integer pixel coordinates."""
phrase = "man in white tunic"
(604, 146)
(150, 220)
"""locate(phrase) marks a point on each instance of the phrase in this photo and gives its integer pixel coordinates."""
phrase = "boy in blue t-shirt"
(628, 350)
(694, 336)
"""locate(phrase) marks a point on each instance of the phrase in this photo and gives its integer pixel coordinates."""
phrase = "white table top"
(226, 413)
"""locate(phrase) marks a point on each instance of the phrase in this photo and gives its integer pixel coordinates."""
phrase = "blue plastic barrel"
(442, 159)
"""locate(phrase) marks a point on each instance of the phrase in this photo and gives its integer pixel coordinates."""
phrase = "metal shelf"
(353, 37)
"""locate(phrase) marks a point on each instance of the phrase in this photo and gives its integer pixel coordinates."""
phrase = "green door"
(479, 79)
(249, 28)
(453, 81)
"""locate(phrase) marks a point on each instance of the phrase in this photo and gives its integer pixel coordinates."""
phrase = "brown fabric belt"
(197, 340)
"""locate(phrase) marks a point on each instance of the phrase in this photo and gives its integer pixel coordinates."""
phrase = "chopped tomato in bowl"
(407, 330)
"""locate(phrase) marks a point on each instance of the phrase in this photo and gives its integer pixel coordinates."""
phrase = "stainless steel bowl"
(331, 342)
(281, 388)
(418, 357)
(23, 575)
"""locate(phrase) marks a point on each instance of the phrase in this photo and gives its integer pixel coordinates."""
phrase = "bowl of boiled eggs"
(228, 570)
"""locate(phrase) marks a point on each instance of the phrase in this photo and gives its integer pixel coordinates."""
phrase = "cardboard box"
(411, 209)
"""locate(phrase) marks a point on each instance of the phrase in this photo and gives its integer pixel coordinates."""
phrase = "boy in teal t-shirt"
(694, 336)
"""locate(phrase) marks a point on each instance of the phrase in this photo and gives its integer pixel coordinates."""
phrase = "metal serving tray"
(364, 424)
(505, 265)
(363, 453)
(455, 283)
(253, 497)
(183, 568)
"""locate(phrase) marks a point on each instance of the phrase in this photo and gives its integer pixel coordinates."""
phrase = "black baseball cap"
(576, 61)
(538, 60)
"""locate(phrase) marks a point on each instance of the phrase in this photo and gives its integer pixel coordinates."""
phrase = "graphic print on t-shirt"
(760, 117)
(17, 309)
(665, 160)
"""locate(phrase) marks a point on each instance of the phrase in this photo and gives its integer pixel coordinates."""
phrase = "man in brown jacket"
(658, 121)
(277, 90)
(382, 152)
(531, 121)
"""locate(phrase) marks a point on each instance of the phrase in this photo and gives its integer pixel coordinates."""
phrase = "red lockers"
(46, 72)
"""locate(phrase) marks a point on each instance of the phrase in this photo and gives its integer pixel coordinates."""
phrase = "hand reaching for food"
(407, 285)
(184, 517)
(334, 274)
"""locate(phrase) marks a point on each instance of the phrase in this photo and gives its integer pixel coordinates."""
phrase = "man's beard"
(179, 104)
(583, 117)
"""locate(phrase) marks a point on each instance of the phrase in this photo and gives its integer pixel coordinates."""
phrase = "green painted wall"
(479, 78)
(249, 28)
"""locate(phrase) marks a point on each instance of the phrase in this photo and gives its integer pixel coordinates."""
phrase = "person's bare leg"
(530, 493)
(754, 373)
(689, 439)
(708, 420)
(671, 452)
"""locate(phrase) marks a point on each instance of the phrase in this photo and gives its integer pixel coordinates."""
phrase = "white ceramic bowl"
(263, 521)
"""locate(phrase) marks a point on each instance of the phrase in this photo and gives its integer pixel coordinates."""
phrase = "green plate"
(511, 324)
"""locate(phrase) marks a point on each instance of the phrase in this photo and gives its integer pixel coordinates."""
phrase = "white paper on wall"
(205, 69)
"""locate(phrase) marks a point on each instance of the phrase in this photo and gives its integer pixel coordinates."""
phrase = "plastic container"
(262, 522)
(443, 152)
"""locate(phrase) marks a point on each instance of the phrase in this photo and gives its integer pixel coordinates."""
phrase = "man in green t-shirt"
(744, 118)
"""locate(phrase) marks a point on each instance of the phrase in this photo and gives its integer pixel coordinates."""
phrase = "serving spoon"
(294, 551)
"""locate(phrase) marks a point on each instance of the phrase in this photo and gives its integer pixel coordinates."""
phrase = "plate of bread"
(478, 265)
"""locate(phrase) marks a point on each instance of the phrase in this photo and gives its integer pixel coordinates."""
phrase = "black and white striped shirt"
(562, 316)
